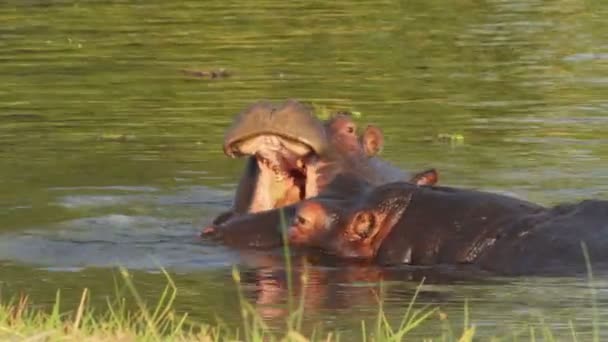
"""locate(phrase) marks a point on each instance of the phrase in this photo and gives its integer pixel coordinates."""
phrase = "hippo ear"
(372, 140)
(364, 226)
(428, 177)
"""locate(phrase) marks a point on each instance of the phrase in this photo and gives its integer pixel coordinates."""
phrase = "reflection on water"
(110, 155)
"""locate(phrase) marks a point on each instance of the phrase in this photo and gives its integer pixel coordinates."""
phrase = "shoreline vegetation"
(21, 320)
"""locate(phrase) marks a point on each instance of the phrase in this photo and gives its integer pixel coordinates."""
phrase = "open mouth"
(286, 165)
(287, 170)
(286, 141)
(283, 157)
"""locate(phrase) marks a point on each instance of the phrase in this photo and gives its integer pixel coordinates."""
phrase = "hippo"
(292, 155)
(264, 230)
(402, 223)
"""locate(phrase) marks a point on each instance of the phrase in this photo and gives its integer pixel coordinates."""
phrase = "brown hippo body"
(400, 223)
(550, 241)
(447, 225)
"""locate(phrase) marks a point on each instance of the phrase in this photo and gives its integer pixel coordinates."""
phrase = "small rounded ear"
(364, 226)
(372, 140)
(427, 177)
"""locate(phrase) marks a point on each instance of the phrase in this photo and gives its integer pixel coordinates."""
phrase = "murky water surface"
(110, 155)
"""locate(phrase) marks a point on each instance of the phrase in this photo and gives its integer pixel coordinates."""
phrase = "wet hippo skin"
(400, 223)
(264, 229)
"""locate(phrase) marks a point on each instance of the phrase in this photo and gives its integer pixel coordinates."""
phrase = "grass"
(20, 320)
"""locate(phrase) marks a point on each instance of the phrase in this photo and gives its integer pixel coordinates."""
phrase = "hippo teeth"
(279, 173)
(279, 176)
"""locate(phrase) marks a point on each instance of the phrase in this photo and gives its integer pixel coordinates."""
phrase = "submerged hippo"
(264, 229)
(401, 223)
(292, 155)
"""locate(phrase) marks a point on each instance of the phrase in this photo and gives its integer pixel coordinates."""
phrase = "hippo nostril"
(207, 231)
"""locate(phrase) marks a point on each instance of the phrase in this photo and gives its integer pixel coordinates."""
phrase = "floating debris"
(324, 113)
(213, 74)
(451, 138)
(116, 137)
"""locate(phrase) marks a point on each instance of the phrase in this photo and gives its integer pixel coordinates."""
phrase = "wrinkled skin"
(400, 223)
(263, 229)
(292, 155)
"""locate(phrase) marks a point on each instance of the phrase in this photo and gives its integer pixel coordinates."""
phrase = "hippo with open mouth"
(292, 155)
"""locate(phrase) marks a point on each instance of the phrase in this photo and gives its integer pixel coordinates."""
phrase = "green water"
(110, 155)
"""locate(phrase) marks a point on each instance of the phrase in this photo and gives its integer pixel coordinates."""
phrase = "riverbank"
(23, 320)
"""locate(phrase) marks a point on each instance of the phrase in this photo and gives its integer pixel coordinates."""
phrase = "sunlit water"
(110, 155)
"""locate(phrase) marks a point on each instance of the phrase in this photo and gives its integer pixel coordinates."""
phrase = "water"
(110, 155)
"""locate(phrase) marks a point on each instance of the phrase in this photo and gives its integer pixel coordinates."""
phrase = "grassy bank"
(139, 321)
(23, 320)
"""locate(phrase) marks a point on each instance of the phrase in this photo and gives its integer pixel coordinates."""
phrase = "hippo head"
(296, 155)
(277, 136)
(314, 220)
(352, 229)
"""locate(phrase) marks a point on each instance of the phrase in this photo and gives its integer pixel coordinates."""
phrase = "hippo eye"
(300, 220)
